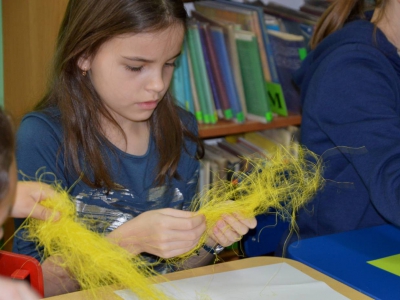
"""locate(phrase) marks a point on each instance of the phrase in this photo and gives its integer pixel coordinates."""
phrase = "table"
(344, 257)
(243, 264)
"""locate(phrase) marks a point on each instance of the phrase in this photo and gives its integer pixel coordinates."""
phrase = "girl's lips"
(148, 104)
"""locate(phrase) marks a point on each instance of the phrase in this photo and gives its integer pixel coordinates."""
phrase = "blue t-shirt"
(39, 153)
(350, 89)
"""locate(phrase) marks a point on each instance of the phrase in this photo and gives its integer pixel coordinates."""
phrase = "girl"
(110, 133)
(350, 87)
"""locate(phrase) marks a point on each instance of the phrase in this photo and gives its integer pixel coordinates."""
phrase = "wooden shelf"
(223, 128)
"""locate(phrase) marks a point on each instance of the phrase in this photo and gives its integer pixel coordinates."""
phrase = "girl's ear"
(84, 63)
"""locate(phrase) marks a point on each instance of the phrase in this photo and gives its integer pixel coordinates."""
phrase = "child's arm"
(16, 290)
(28, 196)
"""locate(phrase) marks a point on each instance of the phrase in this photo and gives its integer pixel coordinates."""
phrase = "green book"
(197, 109)
(258, 106)
(200, 75)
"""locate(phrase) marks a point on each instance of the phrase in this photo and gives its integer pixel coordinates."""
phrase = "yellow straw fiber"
(284, 182)
(88, 256)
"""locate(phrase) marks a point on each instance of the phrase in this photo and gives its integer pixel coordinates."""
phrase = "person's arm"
(38, 158)
(355, 102)
(16, 290)
(27, 200)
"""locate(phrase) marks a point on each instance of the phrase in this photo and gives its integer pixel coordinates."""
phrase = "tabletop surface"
(236, 265)
(344, 256)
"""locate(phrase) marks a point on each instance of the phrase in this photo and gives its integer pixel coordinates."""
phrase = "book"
(289, 51)
(177, 84)
(272, 23)
(288, 137)
(180, 85)
(214, 172)
(228, 163)
(261, 141)
(247, 18)
(242, 150)
(227, 74)
(204, 179)
(263, 33)
(228, 29)
(220, 162)
(293, 21)
(258, 151)
(280, 136)
(200, 74)
(257, 102)
(197, 109)
(189, 104)
(215, 72)
(210, 75)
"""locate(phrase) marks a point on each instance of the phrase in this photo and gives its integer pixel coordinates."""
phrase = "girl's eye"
(133, 69)
(170, 64)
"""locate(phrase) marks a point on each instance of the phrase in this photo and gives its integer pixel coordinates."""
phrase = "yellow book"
(260, 141)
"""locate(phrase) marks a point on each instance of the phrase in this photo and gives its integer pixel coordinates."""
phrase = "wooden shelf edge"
(223, 127)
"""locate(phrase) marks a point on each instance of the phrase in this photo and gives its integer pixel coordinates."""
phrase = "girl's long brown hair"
(337, 14)
(87, 24)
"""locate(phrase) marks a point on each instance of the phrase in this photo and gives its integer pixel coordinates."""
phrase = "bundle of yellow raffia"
(283, 182)
(90, 258)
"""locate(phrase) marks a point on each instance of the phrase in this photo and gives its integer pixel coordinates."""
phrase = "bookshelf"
(223, 128)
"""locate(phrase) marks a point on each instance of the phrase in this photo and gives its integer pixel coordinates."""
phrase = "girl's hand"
(28, 196)
(165, 232)
(230, 229)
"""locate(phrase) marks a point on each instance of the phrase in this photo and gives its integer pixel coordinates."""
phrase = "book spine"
(237, 75)
(288, 55)
(177, 86)
(197, 108)
(225, 66)
(221, 89)
(186, 79)
(209, 100)
(253, 79)
(210, 74)
(195, 54)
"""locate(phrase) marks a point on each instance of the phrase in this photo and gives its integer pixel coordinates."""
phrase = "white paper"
(277, 281)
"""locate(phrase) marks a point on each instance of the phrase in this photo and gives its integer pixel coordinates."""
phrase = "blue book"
(207, 61)
(227, 75)
(289, 51)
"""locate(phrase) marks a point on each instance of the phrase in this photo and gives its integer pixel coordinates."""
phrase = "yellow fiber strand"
(91, 259)
(282, 182)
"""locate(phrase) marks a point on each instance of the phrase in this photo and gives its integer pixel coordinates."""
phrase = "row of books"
(237, 61)
(224, 157)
